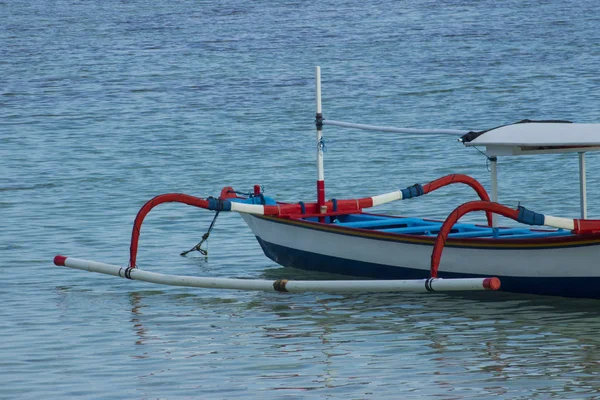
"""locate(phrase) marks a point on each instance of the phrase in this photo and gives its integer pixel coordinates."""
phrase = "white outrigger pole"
(283, 285)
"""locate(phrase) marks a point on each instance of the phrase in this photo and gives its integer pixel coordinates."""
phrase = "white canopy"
(537, 138)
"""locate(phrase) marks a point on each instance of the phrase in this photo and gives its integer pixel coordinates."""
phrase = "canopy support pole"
(582, 186)
(494, 176)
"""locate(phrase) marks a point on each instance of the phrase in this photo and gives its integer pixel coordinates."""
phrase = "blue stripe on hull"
(557, 286)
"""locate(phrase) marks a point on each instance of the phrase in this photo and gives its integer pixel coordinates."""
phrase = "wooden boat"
(558, 257)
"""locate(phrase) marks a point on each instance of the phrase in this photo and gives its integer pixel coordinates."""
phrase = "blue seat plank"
(419, 226)
(382, 222)
(413, 230)
(517, 233)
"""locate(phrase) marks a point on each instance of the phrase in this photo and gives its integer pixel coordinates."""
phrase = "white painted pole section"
(320, 171)
(247, 208)
(494, 176)
(454, 132)
(318, 88)
(416, 285)
(582, 186)
(386, 197)
(559, 222)
(409, 285)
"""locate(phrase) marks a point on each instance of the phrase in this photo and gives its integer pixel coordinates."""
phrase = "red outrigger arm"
(301, 209)
(440, 240)
(460, 178)
(520, 214)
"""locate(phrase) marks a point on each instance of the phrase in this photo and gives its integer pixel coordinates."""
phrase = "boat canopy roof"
(536, 137)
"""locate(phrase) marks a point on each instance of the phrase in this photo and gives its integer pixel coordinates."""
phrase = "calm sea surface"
(105, 104)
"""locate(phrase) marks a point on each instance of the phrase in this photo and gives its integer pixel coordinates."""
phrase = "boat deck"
(424, 227)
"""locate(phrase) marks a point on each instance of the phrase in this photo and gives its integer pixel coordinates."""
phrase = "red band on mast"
(321, 198)
(321, 193)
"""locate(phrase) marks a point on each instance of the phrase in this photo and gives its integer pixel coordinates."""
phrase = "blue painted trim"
(302, 207)
(529, 217)
(255, 199)
(412, 191)
(517, 233)
(556, 286)
(218, 204)
(386, 222)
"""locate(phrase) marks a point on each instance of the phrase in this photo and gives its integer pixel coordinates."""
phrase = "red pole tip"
(491, 283)
(60, 261)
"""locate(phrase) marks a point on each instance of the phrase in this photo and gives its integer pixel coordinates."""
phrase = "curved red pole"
(460, 178)
(163, 198)
(454, 216)
(277, 210)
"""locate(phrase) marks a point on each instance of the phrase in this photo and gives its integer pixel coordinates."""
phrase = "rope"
(251, 195)
(396, 130)
(204, 238)
(321, 146)
(247, 194)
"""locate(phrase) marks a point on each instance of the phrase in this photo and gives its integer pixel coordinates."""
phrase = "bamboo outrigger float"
(405, 253)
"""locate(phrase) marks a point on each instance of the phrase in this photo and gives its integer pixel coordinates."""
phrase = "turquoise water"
(104, 105)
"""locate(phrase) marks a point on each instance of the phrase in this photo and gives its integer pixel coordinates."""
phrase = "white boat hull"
(559, 266)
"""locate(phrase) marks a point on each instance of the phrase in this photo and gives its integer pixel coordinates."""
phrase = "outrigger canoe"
(547, 255)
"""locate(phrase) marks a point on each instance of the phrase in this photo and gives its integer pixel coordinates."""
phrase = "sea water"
(105, 104)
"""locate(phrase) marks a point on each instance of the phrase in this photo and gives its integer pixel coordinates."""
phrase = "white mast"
(319, 122)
